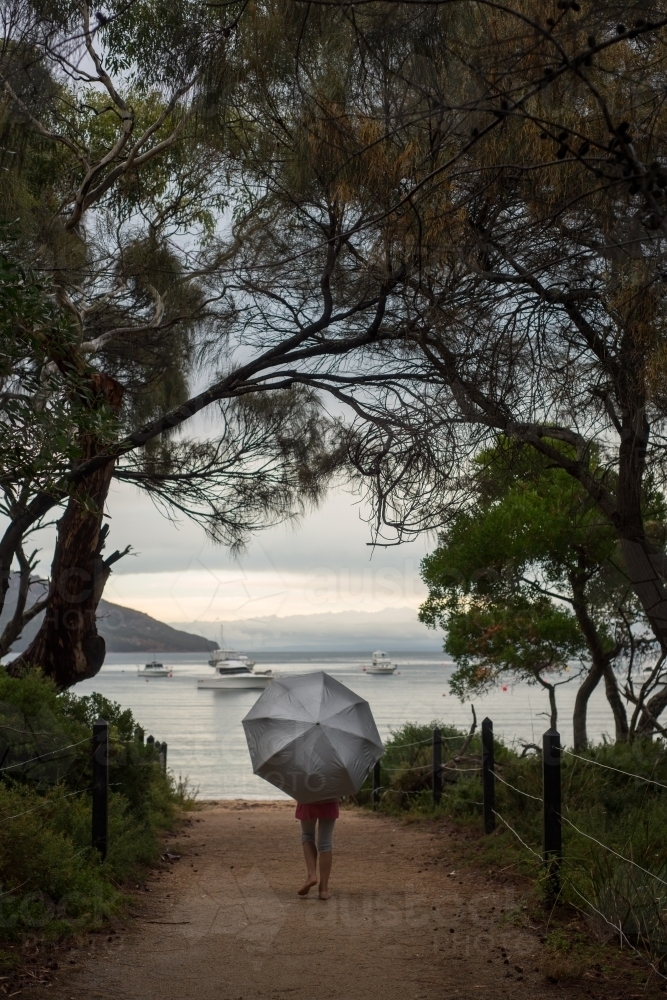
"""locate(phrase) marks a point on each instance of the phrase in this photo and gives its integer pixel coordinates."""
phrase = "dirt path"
(224, 922)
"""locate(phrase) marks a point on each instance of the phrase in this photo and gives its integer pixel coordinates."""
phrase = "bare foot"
(324, 894)
(306, 887)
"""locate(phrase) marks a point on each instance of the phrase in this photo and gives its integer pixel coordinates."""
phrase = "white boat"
(233, 671)
(229, 658)
(154, 669)
(381, 664)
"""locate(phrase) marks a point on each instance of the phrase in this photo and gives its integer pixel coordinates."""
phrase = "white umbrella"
(312, 737)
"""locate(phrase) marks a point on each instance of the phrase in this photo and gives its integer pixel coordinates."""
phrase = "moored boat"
(230, 658)
(154, 669)
(381, 664)
(233, 672)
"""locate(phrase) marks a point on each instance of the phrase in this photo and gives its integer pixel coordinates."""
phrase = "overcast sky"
(321, 564)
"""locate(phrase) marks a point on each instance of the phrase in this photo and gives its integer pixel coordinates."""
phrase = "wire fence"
(560, 870)
(618, 770)
(41, 756)
(98, 756)
(43, 805)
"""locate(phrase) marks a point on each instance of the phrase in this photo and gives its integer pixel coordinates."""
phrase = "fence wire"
(515, 789)
(41, 756)
(42, 805)
(608, 767)
(512, 830)
(619, 930)
(612, 851)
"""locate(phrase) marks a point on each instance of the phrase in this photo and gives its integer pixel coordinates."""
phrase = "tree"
(527, 578)
(123, 180)
(74, 146)
(120, 185)
(517, 203)
(34, 419)
(449, 216)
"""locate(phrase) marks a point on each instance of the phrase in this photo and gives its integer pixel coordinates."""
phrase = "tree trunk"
(616, 703)
(68, 647)
(645, 570)
(553, 708)
(586, 689)
(649, 716)
(601, 667)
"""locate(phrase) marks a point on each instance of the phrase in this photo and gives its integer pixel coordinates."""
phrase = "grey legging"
(324, 833)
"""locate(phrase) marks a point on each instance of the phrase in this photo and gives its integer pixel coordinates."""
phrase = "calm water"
(205, 735)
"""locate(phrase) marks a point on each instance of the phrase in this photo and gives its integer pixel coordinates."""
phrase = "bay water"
(206, 741)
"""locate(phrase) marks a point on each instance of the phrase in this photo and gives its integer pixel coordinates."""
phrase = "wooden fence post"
(377, 781)
(100, 785)
(488, 777)
(139, 733)
(551, 793)
(163, 756)
(150, 741)
(437, 766)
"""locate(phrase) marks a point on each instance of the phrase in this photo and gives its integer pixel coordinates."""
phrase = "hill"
(124, 629)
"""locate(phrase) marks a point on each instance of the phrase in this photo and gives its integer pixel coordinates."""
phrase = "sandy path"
(225, 921)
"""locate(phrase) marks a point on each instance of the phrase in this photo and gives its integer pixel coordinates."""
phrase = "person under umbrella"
(316, 740)
(317, 818)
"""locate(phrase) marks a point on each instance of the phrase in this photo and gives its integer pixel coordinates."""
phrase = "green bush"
(51, 880)
(625, 880)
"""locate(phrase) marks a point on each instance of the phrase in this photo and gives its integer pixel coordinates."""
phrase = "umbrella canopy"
(312, 737)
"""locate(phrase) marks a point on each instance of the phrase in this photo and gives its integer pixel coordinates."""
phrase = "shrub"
(614, 849)
(51, 880)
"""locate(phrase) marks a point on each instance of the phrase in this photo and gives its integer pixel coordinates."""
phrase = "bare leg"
(325, 871)
(310, 854)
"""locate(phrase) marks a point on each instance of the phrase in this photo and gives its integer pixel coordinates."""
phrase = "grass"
(52, 883)
(614, 846)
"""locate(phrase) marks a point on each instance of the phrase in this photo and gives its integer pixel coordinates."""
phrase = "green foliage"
(611, 809)
(52, 881)
(40, 418)
(406, 767)
(525, 637)
(518, 569)
(156, 39)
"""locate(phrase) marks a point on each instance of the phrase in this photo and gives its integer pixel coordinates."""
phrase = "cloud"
(322, 563)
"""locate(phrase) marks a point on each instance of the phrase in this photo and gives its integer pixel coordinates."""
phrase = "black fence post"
(100, 785)
(488, 777)
(377, 781)
(139, 733)
(163, 756)
(437, 766)
(551, 792)
(150, 741)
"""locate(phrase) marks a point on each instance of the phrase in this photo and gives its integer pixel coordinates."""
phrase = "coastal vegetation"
(53, 883)
(242, 210)
(450, 221)
(614, 810)
(528, 583)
